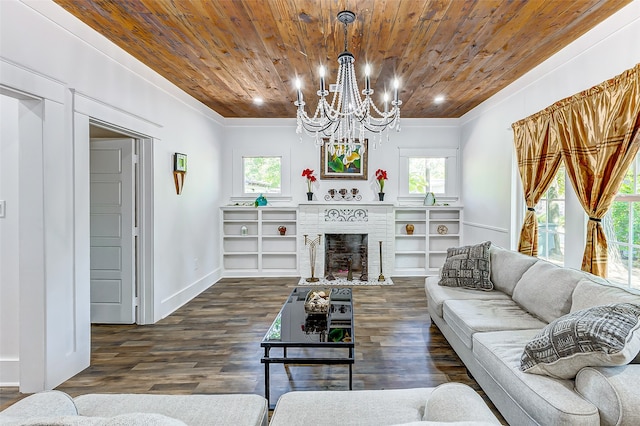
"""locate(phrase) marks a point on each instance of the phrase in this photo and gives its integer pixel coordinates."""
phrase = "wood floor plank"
(212, 345)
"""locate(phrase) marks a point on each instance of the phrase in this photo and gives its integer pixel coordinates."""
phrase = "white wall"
(254, 135)
(489, 185)
(80, 75)
(9, 283)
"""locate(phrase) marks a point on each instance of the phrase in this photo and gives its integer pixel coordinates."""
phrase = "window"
(426, 175)
(428, 170)
(262, 175)
(550, 211)
(622, 228)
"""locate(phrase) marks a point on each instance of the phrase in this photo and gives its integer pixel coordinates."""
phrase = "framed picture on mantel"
(341, 162)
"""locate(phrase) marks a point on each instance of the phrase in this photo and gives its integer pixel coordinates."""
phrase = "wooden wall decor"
(179, 170)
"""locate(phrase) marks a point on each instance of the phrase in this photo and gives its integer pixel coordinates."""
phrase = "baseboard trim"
(10, 372)
(180, 298)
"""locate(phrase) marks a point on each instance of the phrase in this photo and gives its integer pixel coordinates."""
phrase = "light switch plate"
(3, 205)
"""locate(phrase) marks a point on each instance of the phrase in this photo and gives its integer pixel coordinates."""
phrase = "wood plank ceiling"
(225, 53)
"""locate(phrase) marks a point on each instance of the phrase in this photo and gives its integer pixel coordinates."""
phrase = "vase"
(429, 199)
(409, 227)
(381, 196)
(282, 229)
(309, 196)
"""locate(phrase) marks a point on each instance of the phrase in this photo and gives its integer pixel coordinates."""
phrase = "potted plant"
(308, 173)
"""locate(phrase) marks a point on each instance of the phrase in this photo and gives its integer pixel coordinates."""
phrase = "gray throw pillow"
(604, 335)
(468, 266)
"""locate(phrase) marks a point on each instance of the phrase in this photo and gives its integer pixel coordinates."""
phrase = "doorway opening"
(117, 290)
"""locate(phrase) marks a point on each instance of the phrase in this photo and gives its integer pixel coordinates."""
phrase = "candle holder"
(381, 277)
(313, 244)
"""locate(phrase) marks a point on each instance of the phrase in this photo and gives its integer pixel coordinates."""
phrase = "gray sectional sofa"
(489, 331)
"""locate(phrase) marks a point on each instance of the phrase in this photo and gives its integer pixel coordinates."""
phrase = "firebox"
(345, 256)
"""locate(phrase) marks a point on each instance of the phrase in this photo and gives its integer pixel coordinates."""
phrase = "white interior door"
(112, 232)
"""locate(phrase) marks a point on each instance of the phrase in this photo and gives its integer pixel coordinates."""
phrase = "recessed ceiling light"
(258, 101)
(439, 99)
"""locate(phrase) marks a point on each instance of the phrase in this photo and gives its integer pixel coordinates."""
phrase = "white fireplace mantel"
(374, 219)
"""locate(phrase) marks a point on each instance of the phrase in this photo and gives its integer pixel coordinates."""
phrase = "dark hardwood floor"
(212, 345)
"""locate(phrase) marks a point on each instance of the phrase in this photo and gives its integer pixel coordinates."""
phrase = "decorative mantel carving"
(346, 215)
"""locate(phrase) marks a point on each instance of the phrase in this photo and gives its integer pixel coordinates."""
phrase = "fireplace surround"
(376, 221)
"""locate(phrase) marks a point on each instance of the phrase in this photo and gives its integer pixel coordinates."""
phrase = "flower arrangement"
(308, 173)
(381, 176)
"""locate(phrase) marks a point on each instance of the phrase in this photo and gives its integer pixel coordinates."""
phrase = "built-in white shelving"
(261, 251)
(435, 230)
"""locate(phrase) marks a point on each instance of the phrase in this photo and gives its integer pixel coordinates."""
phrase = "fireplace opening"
(345, 255)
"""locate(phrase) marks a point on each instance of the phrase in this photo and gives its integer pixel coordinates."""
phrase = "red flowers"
(381, 176)
(308, 173)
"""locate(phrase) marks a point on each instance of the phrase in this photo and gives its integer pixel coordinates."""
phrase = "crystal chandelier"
(348, 117)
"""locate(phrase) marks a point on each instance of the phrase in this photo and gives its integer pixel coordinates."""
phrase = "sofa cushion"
(547, 400)
(545, 290)
(594, 291)
(467, 317)
(437, 294)
(457, 402)
(599, 336)
(42, 404)
(132, 419)
(507, 267)
(614, 390)
(228, 409)
(468, 266)
(358, 407)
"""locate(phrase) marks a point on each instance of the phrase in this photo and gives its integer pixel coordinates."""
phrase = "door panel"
(112, 232)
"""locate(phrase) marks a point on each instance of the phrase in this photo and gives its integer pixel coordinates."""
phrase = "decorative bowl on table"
(317, 302)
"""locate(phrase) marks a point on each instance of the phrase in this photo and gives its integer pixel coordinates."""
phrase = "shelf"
(424, 252)
(263, 251)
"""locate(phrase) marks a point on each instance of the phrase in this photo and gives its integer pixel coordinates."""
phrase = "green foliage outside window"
(262, 175)
(427, 175)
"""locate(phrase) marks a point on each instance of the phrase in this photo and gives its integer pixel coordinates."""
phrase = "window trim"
(452, 168)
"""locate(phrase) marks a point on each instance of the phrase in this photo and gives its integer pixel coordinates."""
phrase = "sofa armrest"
(42, 404)
(614, 390)
(457, 402)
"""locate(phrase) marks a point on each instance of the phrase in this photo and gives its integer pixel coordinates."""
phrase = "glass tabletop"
(295, 326)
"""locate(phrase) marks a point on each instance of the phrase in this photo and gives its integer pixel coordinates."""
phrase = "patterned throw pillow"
(604, 335)
(468, 266)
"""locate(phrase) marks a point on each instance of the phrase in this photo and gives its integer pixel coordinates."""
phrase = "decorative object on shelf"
(409, 228)
(313, 246)
(308, 174)
(282, 229)
(381, 176)
(317, 302)
(380, 196)
(179, 170)
(260, 201)
(380, 277)
(244, 230)
(442, 229)
(347, 116)
(429, 199)
(343, 195)
(340, 162)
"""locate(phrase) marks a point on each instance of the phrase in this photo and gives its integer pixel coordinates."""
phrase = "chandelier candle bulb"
(367, 81)
(322, 81)
(396, 84)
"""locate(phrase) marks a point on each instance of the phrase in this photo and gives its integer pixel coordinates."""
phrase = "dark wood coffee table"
(319, 334)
